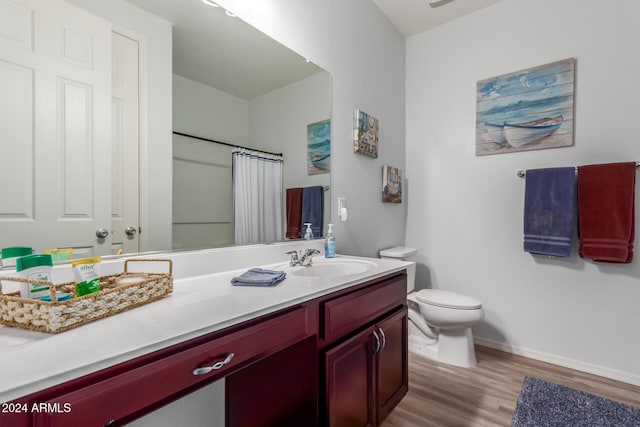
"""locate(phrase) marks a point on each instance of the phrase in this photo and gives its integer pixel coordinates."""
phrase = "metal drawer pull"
(377, 349)
(384, 339)
(206, 369)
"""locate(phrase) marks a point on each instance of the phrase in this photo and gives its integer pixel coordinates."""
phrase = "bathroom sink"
(331, 268)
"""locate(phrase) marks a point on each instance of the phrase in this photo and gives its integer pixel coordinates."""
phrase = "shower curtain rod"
(224, 143)
(521, 173)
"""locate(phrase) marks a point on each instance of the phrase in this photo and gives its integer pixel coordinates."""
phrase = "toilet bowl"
(443, 322)
(440, 321)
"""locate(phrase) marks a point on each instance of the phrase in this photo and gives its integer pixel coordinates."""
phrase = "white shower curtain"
(257, 196)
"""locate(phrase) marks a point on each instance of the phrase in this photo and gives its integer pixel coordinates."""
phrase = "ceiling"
(226, 53)
(411, 17)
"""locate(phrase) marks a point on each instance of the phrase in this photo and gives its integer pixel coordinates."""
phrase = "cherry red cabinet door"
(349, 382)
(279, 391)
(392, 379)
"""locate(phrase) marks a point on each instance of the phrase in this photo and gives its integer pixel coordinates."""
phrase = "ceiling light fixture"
(439, 3)
(210, 3)
(231, 14)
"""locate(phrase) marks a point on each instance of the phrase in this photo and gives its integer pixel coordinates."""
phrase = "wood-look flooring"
(442, 395)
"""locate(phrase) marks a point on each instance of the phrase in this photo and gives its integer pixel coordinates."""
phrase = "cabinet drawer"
(131, 391)
(347, 313)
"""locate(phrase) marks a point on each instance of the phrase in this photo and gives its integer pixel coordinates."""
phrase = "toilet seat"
(447, 299)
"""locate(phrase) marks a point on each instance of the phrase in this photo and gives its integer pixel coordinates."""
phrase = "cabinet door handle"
(206, 369)
(384, 339)
(377, 348)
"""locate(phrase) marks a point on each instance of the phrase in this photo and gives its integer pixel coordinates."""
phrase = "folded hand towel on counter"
(294, 213)
(313, 208)
(259, 277)
(606, 211)
(548, 211)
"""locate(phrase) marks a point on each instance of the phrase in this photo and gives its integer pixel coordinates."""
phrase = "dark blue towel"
(313, 209)
(259, 277)
(549, 198)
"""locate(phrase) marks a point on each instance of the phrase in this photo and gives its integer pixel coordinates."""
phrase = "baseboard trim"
(602, 371)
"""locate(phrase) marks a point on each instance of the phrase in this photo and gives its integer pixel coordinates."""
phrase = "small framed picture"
(391, 184)
(365, 134)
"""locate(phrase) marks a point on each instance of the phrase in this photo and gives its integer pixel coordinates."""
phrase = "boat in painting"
(321, 161)
(517, 135)
(496, 133)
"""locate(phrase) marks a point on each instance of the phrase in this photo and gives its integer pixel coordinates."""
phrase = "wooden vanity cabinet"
(338, 360)
(366, 370)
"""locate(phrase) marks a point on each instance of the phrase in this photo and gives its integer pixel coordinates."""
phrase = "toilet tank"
(403, 253)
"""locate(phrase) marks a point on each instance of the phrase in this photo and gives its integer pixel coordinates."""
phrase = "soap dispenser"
(308, 233)
(330, 243)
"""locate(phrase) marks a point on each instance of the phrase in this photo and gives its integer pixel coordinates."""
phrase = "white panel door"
(125, 145)
(55, 133)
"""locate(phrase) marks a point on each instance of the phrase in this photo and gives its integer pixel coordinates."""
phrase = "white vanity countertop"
(32, 361)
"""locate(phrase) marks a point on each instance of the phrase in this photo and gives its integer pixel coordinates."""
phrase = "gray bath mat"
(545, 404)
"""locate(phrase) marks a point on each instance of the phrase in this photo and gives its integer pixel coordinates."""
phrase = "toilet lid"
(447, 299)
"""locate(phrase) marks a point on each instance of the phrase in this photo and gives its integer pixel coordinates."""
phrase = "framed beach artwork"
(529, 109)
(391, 185)
(319, 147)
(365, 134)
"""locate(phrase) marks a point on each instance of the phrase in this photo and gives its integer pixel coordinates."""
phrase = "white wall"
(278, 123)
(202, 210)
(364, 53)
(208, 112)
(465, 212)
(155, 178)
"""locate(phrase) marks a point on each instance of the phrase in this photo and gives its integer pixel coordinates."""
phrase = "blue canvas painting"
(319, 147)
(530, 109)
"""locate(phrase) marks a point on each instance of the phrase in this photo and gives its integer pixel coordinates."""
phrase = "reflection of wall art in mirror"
(391, 184)
(365, 134)
(529, 109)
(319, 147)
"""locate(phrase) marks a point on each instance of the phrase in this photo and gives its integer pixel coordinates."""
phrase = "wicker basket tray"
(58, 316)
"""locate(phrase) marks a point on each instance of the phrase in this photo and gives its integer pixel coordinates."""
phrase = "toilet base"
(454, 347)
(423, 347)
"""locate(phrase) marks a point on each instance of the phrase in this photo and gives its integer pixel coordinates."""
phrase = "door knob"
(130, 231)
(101, 233)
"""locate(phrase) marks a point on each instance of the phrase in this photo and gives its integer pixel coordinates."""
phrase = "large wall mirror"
(66, 152)
(235, 85)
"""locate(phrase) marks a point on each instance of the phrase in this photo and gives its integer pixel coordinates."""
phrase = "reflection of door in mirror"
(58, 125)
(55, 66)
(125, 145)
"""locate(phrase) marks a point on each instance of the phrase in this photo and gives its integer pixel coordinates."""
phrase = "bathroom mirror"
(198, 78)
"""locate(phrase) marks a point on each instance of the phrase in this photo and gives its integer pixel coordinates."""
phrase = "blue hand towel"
(549, 199)
(259, 277)
(313, 209)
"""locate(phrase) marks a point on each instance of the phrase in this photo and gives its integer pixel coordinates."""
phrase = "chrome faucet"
(299, 258)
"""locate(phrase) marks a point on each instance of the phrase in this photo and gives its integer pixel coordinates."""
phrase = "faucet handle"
(294, 258)
(307, 257)
(311, 252)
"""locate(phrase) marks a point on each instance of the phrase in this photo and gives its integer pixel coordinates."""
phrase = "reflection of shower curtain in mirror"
(257, 196)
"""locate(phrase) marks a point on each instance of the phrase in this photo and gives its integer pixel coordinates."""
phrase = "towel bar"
(521, 172)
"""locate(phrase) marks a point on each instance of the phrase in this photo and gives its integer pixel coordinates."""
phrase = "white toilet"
(439, 321)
